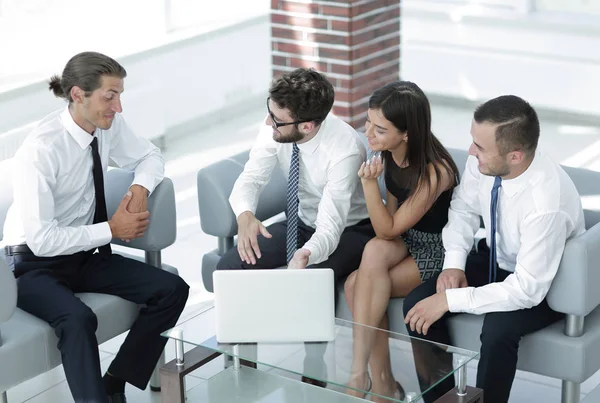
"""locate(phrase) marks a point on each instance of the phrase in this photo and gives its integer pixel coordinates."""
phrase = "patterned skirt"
(427, 250)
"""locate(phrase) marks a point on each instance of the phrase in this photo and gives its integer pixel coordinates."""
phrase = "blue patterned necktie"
(493, 219)
(292, 205)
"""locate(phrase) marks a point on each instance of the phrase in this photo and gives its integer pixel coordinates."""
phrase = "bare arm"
(391, 203)
(390, 225)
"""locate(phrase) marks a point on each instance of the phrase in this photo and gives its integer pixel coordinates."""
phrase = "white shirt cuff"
(239, 208)
(145, 180)
(314, 257)
(455, 260)
(101, 233)
(458, 299)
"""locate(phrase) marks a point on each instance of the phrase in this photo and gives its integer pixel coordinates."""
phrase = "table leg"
(462, 393)
(173, 372)
(471, 395)
(236, 356)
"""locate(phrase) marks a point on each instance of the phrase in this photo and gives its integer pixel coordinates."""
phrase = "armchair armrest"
(215, 183)
(574, 290)
(8, 292)
(162, 230)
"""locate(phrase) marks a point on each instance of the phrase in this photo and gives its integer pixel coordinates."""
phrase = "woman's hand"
(371, 169)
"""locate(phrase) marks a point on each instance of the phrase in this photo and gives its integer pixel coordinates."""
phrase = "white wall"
(184, 82)
(476, 52)
(453, 49)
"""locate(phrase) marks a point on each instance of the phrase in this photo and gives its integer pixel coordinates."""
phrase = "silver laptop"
(277, 305)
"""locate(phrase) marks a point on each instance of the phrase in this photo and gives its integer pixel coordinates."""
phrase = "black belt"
(17, 250)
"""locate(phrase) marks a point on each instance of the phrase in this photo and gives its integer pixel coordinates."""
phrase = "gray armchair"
(28, 344)
(215, 183)
(568, 350)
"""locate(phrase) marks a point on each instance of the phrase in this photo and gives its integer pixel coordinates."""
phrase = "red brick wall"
(356, 43)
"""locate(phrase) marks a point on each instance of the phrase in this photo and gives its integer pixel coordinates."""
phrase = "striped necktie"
(493, 218)
(292, 204)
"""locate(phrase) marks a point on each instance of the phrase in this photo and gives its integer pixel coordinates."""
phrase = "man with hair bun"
(58, 233)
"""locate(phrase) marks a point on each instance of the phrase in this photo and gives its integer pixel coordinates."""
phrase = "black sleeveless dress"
(424, 239)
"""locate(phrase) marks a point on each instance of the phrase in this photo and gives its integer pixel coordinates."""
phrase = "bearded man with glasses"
(327, 222)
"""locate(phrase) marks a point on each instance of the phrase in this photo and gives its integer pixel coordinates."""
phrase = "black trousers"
(500, 334)
(343, 261)
(46, 288)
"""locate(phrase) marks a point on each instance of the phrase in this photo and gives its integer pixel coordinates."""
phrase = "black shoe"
(312, 381)
(117, 398)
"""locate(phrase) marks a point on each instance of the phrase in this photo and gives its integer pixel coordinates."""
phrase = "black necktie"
(100, 215)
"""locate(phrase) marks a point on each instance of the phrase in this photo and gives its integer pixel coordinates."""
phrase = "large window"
(38, 36)
(585, 7)
(574, 6)
(210, 14)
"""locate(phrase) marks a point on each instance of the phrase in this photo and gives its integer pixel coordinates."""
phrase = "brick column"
(356, 43)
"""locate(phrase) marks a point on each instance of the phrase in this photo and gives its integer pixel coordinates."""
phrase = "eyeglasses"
(277, 125)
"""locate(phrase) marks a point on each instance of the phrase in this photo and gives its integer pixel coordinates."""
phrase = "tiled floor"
(576, 145)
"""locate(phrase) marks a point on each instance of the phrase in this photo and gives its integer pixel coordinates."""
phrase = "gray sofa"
(568, 350)
(28, 344)
(593, 396)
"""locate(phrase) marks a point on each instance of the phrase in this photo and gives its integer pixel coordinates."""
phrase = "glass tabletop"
(416, 365)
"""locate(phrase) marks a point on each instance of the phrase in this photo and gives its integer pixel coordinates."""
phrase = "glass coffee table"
(271, 372)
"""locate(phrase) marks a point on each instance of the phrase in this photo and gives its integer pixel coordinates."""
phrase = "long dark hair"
(405, 105)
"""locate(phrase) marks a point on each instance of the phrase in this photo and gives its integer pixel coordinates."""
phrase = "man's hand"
(300, 259)
(451, 278)
(248, 229)
(427, 312)
(126, 225)
(139, 199)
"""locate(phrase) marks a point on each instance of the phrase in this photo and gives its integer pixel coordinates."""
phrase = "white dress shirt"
(54, 199)
(538, 211)
(329, 191)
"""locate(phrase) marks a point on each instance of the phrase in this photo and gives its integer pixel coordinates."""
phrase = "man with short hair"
(59, 219)
(327, 222)
(530, 208)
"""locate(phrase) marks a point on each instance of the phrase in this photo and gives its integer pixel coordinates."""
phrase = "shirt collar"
(311, 145)
(511, 187)
(82, 137)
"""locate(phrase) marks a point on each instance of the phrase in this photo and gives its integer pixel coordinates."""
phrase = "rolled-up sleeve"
(543, 239)
(333, 208)
(135, 153)
(35, 174)
(256, 174)
(463, 218)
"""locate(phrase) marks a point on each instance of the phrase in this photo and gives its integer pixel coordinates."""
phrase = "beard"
(292, 137)
(501, 170)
